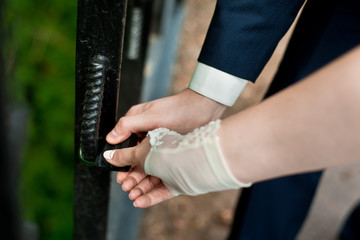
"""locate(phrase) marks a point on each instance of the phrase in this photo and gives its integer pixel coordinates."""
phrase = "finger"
(133, 178)
(128, 125)
(145, 186)
(120, 176)
(122, 130)
(154, 197)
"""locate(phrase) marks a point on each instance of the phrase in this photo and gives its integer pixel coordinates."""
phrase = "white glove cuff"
(191, 164)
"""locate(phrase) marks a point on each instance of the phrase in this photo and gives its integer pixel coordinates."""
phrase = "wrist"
(235, 150)
(216, 109)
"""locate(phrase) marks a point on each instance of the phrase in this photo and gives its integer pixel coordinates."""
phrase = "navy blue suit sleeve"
(244, 33)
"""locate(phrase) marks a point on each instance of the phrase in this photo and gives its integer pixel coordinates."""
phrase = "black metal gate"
(113, 45)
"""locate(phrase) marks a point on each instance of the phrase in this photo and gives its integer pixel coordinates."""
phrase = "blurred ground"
(209, 216)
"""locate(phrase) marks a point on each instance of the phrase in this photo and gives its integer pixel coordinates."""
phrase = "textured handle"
(90, 120)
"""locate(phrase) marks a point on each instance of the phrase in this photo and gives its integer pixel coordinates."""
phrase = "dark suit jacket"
(244, 33)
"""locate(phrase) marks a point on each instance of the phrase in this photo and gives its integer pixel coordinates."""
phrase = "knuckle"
(154, 181)
(116, 156)
(151, 184)
(148, 200)
(133, 180)
(122, 124)
(134, 155)
(127, 157)
(138, 188)
(132, 110)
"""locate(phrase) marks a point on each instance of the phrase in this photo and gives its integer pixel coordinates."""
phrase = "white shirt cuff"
(216, 84)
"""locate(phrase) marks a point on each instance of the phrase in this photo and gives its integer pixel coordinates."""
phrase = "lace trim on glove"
(193, 139)
(200, 135)
(157, 135)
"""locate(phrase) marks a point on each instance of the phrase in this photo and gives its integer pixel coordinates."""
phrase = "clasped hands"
(182, 113)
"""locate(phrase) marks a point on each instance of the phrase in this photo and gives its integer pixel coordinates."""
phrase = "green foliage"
(40, 51)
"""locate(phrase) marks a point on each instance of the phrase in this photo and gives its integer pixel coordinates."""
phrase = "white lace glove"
(190, 164)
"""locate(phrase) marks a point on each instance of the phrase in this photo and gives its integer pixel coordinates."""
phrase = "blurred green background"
(40, 60)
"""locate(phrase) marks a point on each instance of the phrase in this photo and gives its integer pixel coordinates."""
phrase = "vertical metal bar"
(100, 31)
(139, 19)
(162, 50)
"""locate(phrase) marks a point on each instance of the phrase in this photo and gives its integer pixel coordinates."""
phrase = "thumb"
(121, 157)
(126, 126)
(134, 156)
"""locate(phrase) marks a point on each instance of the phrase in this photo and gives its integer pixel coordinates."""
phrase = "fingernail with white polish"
(108, 154)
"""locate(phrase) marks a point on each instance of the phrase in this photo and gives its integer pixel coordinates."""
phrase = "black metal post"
(100, 32)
